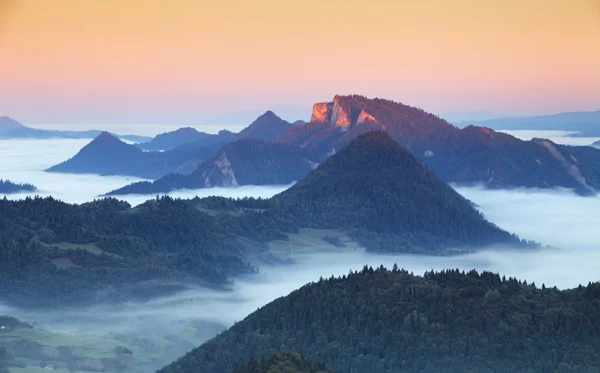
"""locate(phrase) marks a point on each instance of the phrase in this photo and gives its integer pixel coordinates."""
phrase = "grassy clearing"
(310, 240)
(90, 247)
(91, 346)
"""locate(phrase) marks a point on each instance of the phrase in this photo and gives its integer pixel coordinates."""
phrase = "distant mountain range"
(390, 321)
(586, 123)
(372, 193)
(243, 162)
(11, 129)
(8, 187)
(186, 149)
(473, 155)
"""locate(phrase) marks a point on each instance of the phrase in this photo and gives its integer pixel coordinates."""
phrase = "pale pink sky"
(133, 61)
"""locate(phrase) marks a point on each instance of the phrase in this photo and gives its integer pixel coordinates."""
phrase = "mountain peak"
(104, 135)
(267, 126)
(7, 124)
(395, 194)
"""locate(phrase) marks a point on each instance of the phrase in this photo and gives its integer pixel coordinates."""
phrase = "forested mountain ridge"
(56, 253)
(382, 321)
(473, 155)
(7, 187)
(283, 362)
(388, 200)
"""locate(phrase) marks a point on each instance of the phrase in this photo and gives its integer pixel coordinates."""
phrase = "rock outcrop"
(364, 117)
(321, 112)
(340, 115)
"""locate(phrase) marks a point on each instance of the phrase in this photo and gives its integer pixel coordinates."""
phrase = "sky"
(193, 61)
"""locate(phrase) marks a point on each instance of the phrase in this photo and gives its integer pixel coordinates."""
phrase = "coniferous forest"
(381, 321)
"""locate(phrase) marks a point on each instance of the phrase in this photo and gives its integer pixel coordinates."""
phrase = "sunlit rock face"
(321, 112)
(340, 115)
(364, 117)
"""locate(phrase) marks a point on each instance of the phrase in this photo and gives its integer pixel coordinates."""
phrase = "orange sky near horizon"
(134, 60)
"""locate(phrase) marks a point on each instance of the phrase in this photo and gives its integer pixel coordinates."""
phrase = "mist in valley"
(181, 321)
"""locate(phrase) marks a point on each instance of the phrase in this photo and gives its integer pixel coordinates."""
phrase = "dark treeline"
(283, 362)
(7, 187)
(109, 244)
(383, 321)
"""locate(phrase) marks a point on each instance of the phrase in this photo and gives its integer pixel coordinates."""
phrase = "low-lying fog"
(557, 218)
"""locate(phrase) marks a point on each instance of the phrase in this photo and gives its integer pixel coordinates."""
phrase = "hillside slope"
(382, 321)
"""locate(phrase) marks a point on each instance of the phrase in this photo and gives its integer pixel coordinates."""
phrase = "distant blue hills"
(586, 123)
(11, 129)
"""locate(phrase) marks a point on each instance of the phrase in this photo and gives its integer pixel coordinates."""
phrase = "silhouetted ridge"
(173, 139)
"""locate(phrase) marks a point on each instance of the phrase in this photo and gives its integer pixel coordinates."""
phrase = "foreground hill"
(8, 187)
(586, 123)
(283, 362)
(472, 155)
(382, 321)
(11, 129)
(186, 150)
(374, 186)
(244, 162)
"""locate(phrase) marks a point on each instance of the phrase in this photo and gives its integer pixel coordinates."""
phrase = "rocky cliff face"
(321, 112)
(340, 113)
(364, 117)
